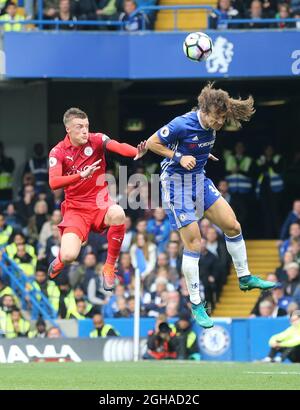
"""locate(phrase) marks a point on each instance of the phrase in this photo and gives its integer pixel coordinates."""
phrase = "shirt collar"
(200, 122)
(67, 142)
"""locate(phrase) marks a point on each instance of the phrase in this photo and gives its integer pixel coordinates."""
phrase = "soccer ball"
(197, 46)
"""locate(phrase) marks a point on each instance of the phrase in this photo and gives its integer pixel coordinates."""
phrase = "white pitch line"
(273, 373)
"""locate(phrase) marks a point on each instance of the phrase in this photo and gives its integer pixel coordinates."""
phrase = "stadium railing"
(40, 22)
(22, 286)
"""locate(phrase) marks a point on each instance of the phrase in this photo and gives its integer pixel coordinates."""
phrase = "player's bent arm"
(155, 145)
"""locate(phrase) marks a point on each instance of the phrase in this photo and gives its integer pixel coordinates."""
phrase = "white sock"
(237, 249)
(190, 269)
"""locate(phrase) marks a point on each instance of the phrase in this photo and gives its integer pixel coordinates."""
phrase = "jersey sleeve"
(101, 140)
(56, 179)
(171, 132)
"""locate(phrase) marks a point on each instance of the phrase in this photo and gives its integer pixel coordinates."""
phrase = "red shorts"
(84, 220)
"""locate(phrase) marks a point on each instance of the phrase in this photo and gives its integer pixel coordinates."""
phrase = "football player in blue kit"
(187, 193)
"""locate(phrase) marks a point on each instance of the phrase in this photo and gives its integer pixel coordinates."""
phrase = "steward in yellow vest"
(102, 329)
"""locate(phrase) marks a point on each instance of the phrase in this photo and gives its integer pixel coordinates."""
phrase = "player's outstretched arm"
(127, 150)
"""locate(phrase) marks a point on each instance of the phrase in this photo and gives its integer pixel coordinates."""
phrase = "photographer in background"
(163, 344)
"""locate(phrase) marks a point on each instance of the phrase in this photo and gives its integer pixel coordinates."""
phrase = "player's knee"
(194, 245)
(116, 215)
(68, 256)
(233, 228)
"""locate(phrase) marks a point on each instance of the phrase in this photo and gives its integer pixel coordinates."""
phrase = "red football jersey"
(66, 159)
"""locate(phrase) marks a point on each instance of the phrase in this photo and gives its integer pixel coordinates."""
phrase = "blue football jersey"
(186, 134)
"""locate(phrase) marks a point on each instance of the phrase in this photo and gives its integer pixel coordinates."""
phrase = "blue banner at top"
(150, 55)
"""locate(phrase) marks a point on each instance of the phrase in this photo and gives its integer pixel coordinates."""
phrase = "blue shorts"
(185, 201)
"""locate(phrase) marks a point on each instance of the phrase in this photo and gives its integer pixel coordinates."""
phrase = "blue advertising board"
(228, 340)
(150, 55)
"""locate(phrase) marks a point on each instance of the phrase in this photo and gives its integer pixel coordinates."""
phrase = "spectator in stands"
(19, 239)
(256, 12)
(141, 226)
(12, 218)
(95, 291)
(106, 10)
(129, 235)
(102, 329)
(265, 294)
(122, 308)
(293, 216)
(239, 172)
(47, 287)
(155, 301)
(162, 344)
(57, 199)
(204, 226)
(25, 206)
(132, 22)
(280, 272)
(159, 227)
(21, 326)
(110, 309)
(7, 166)
(64, 13)
(50, 8)
(38, 167)
(269, 7)
(143, 255)
(24, 260)
(67, 301)
(46, 230)
(125, 270)
(40, 329)
(280, 299)
(52, 245)
(6, 290)
(188, 340)
(293, 279)
(210, 277)
(7, 303)
(286, 343)
(217, 247)
(284, 13)
(269, 191)
(6, 230)
(227, 11)
(84, 9)
(294, 166)
(83, 310)
(294, 248)
(223, 188)
(98, 245)
(36, 221)
(83, 273)
(54, 333)
(268, 308)
(28, 179)
(175, 259)
(294, 235)
(12, 18)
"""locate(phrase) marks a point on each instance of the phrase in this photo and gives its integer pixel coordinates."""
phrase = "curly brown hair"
(219, 102)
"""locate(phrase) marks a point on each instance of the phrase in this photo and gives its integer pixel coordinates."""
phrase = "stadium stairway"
(263, 258)
(187, 20)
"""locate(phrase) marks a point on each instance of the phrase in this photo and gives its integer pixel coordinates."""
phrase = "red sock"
(115, 236)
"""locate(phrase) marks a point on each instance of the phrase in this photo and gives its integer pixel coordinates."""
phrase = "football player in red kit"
(77, 164)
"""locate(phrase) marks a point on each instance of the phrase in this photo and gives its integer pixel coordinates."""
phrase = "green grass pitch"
(165, 375)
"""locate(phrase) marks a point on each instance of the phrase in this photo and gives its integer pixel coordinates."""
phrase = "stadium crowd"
(121, 10)
(30, 237)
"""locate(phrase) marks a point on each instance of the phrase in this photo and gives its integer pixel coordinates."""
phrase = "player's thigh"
(70, 246)
(191, 237)
(221, 214)
(114, 215)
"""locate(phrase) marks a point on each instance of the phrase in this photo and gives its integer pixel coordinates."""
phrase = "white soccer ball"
(197, 46)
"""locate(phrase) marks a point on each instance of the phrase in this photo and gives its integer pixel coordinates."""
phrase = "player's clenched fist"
(90, 169)
(188, 162)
